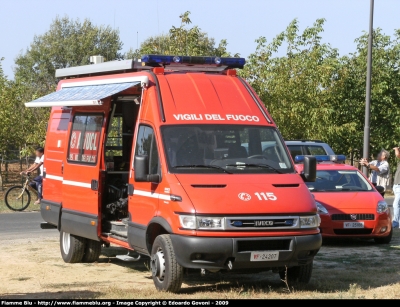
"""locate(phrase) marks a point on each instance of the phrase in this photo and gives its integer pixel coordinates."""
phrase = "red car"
(348, 204)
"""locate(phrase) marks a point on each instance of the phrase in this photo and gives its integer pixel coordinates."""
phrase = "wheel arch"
(157, 226)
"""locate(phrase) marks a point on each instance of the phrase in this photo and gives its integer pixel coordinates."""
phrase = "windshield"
(225, 149)
(339, 181)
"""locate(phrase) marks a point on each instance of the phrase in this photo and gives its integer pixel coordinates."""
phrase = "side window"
(85, 138)
(316, 150)
(146, 145)
(295, 150)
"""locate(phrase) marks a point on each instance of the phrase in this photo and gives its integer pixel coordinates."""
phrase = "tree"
(19, 125)
(297, 87)
(385, 94)
(67, 43)
(181, 40)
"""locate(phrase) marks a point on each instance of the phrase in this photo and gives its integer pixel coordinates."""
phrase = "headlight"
(201, 222)
(321, 208)
(188, 221)
(382, 207)
(309, 221)
(210, 222)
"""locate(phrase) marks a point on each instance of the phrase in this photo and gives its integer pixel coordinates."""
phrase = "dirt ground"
(33, 268)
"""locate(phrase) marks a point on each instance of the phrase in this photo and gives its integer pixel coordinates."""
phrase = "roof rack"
(104, 68)
(315, 141)
(150, 61)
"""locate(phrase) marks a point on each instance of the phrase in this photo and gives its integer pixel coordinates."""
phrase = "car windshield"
(339, 181)
(225, 149)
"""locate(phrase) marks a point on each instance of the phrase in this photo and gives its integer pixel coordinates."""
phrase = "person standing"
(37, 181)
(396, 191)
(380, 170)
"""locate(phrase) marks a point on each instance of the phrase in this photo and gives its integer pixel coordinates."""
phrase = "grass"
(344, 269)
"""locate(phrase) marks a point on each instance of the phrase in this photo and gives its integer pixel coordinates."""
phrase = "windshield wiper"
(204, 166)
(256, 165)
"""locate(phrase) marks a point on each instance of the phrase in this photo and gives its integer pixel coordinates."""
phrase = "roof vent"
(96, 59)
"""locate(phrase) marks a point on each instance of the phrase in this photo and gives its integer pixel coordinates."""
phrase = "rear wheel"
(72, 247)
(301, 274)
(384, 240)
(167, 273)
(92, 251)
(17, 198)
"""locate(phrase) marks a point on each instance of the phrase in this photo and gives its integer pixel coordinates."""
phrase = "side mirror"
(310, 169)
(141, 165)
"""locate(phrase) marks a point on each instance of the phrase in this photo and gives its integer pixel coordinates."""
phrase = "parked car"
(308, 147)
(348, 204)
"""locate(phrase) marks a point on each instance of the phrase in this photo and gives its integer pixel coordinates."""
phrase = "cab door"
(143, 204)
(81, 175)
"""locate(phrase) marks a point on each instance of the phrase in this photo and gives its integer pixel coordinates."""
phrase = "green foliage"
(67, 43)
(313, 93)
(181, 40)
(19, 125)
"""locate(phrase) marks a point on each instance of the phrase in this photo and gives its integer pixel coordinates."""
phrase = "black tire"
(298, 274)
(13, 202)
(166, 272)
(92, 251)
(72, 247)
(384, 240)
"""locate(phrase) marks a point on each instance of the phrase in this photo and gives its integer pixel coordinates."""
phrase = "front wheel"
(301, 274)
(166, 272)
(72, 247)
(17, 198)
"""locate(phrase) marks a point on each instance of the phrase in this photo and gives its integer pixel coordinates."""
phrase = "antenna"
(137, 40)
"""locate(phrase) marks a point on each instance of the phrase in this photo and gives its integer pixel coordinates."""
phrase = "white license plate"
(264, 256)
(353, 225)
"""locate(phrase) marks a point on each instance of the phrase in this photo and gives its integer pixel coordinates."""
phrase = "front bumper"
(372, 228)
(215, 253)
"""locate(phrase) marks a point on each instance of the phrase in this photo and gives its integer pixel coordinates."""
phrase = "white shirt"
(38, 161)
(383, 167)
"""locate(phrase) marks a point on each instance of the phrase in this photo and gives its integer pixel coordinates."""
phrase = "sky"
(240, 22)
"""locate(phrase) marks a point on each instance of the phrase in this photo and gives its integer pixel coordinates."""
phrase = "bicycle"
(18, 198)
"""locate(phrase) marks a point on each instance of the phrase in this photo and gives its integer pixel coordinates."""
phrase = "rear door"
(81, 175)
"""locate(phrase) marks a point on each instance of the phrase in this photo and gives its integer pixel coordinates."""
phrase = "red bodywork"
(187, 98)
(350, 203)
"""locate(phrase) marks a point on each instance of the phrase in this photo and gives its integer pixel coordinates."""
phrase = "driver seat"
(236, 151)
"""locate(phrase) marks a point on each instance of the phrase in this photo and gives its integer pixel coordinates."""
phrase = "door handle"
(94, 185)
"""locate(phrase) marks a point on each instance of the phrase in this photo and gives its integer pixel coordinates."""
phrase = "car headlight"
(321, 208)
(311, 221)
(382, 207)
(201, 222)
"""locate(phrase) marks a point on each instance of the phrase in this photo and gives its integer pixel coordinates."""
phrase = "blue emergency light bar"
(151, 59)
(322, 158)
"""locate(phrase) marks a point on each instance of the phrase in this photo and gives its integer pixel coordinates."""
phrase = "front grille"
(364, 231)
(263, 245)
(269, 223)
(347, 217)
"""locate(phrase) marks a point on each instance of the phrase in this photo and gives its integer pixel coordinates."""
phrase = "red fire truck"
(175, 158)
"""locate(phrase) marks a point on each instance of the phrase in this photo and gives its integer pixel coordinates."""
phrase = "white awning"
(85, 93)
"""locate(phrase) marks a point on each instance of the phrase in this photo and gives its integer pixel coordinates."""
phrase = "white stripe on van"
(77, 184)
(88, 185)
(151, 195)
(58, 178)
